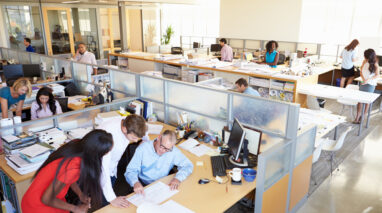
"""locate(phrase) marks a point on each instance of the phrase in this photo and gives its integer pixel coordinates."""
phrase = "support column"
(123, 24)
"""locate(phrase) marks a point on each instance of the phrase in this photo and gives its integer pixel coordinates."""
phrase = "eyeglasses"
(163, 147)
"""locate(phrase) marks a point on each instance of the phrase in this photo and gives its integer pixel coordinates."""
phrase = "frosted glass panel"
(205, 101)
(259, 113)
(4, 54)
(311, 48)
(304, 145)
(24, 58)
(250, 44)
(35, 59)
(12, 54)
(49, 63)
(201, 122)
(236, 43)
(158, 111)
(64, 65)
(287, 46)
(84, 119)
(277, 165)
(152, 88)
(123, 81)
(80, 72)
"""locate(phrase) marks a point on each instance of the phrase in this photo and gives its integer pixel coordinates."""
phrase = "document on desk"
(154, 129)
(174, 207)
(34, 150)
(156, 193)
(196, 148)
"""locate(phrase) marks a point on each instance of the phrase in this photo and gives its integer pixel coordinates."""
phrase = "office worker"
(348, 56)
(153, 160)
(369, 74)
(27, 43)
(14, 95)
(271, 56)
(226, 51)
(45, 105)
(124, 131)
(75, 165)
(82, 55)
(243, 87)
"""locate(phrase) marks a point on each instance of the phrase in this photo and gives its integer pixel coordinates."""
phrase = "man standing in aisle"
(82, 55)
(27, 43)
(124, 131)
(153, 160)
(243, 87)
(226, 51)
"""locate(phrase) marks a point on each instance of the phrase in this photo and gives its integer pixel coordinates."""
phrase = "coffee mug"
(180, 133)
(235, 174)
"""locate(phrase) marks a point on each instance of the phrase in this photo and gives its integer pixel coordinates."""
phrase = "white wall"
(260, 19)
(3, 38)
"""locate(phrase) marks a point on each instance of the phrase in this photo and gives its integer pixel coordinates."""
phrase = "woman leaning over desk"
(369, 75)
(271, 56)
(77, 165)
(45, 105)
(348, 56)
(14, 95)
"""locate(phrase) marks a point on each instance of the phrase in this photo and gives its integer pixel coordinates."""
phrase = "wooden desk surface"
(16, 177)
(211, 197)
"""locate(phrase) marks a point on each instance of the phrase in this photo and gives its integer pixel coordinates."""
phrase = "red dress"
(68, 174)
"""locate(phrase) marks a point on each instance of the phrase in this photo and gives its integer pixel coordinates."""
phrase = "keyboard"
(218, 166)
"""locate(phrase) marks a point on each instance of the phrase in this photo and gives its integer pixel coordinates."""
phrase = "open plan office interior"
(211, 106)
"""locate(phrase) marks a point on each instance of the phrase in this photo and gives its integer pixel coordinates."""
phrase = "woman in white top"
(45, 105)
(369, 75)
(348, 56)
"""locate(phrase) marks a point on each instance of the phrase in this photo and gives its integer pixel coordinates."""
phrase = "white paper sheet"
(174, 207)
(196, 148)
(10, 138)
(34, 150)
(188, 144)
(154, 129)
(156, 193)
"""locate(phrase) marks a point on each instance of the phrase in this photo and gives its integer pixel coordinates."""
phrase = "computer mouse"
(203, 181)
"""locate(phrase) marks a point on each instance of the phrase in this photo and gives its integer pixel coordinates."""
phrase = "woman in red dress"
(77, 165)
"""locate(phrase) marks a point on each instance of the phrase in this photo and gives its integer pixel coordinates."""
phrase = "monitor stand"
(243, 155)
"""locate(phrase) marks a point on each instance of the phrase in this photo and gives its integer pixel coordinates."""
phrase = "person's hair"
(171, 134)
(135, 124)
(268, 46)
(241, 82)
(223, 40)
(81, 43)
(353, 44)
(371, 58)
(28, 40)
(21, 82)
(51, 102)
(91, 148)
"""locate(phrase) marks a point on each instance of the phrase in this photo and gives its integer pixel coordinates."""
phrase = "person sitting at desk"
(82, 55)
(271, 56)
(27, 43)
(226, 51)
(243, 87)
(75, 164)
(14, 95)
(45, 105)
(153, 160)
(124, 131)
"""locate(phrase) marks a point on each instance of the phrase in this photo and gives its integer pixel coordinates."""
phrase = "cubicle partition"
(285, 157)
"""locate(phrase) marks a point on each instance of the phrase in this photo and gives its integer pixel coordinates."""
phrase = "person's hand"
(174, 184)
(83, 208)
(138, 188)
(85, 200)
(120, 202)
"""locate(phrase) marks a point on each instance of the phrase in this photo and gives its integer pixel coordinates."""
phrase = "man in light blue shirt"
(153, 160)
(242, 87)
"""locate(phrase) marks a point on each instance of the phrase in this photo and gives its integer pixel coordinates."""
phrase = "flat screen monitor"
(31, 70)
(236, 138)
(196, 45)
(215, 47)
(379, 60)
(13, 71)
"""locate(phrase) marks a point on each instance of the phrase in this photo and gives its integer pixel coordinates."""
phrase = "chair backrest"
(352, 86)
(281, 58)
(312, 103)
(63, 103)
(317, 153)
(341, 139)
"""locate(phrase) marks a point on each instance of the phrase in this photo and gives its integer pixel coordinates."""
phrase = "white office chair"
(316, 156)
(332, 146)
(346, 103)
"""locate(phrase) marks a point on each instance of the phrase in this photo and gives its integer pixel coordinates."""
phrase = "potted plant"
(167, 36)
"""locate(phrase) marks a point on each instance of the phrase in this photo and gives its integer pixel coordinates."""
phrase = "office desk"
(211, 197)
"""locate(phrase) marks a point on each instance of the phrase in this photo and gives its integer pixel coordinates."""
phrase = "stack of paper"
(54, 137)
(196, 148)
(35, 153)
(154, 194)
(12, 144)
(79, 132)
(21, 165)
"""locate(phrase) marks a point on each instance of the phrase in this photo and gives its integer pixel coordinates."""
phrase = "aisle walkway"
(356, 187)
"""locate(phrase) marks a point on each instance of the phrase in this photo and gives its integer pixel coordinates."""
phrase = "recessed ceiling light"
(70, 2)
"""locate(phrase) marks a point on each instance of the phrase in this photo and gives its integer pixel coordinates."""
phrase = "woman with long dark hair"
(45, 105)
(369, 74)
(348, 56)
(77, 165)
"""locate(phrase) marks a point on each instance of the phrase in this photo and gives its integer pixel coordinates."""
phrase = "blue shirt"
(148, 166)
(30, 49)
(5, 93)
(347, 59)
(251, 91)
(270, 57)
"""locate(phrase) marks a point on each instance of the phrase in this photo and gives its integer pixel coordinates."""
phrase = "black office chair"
(71, 90)
(63, 103)
(281, 59)
(176, 50)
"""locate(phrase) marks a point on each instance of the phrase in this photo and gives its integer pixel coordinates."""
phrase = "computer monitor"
(31, 70)
(13, 71)
(215, 47)
(196, 45)
(236, 145)
(379, 60)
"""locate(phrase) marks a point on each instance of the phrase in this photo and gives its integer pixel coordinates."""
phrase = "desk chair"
(63, 103)
(332, 146)
(346, 103)
(316, 156)
(281, 59)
